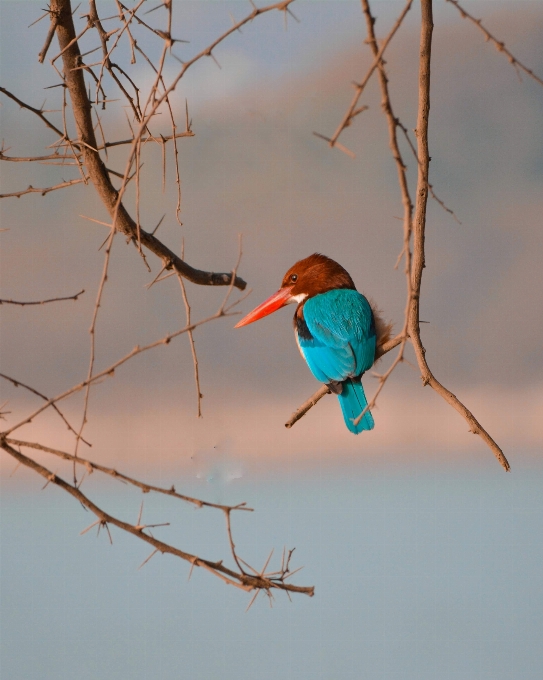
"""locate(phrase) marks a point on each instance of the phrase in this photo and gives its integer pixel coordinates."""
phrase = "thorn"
(258, 591)
(148, 558)
(287, 9)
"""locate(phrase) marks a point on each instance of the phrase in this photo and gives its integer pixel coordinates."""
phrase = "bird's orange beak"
(272, 304)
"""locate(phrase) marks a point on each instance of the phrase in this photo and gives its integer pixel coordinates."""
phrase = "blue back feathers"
(336, 335)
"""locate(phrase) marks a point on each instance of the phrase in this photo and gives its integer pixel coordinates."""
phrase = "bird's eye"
(294, 278)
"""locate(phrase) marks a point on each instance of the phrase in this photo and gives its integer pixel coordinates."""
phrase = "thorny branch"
(83, 151)
(247, 582)
(110, 371)
(190, 336)
(165, 138)
(18, 383)
(92, 332)
(155, 100)
(49, 38)
(257, 581)
(430, 186)
(56, 158)
(91, 466)
(500, 46)
(401, 167)
(88, 147)
(44, 191)
(406, 200)
(359, 88)
(38, 112)
(414, 225)
(41, 302)
(419, 228)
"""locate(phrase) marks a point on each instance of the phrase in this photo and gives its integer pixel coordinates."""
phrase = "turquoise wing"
(340, 342)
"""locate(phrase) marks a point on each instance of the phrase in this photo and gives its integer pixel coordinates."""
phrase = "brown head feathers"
(316, 274)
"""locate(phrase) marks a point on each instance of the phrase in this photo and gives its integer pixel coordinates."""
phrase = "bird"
(337, 330)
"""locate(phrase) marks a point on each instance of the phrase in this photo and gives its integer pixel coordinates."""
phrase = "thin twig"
(18, 383)
(44, 191)
(165, 340)
(41, 302)
(190, 336)
(38, 112)
(155, 100)
(361, 86)
(40, 159)
(146, 488)
(430, 186)
(499, 45)
(92, 332)
(49, 37)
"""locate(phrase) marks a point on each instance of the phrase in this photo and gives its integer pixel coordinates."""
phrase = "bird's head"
(312, 276)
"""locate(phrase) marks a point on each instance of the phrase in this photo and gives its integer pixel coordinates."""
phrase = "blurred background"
(426, 556)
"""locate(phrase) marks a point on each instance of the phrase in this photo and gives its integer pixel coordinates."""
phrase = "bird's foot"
(335, 386)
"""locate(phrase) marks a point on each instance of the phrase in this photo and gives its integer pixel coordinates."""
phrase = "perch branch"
(413, 271)
(319, 394)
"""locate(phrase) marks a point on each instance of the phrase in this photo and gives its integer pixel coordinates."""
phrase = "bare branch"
(96, 169)
(319, 394)
(500, 46)
(106, 63)
(18, 383)
(244, 581)
(155, 101)
(112, 368)
(38, 112)
(40, 159)
(430, 186)
(42, 302)
(92, 331)
(44, 191)
(49, 37)
(400, 339)
(361, 86)
(146, 488)
(199, 394)
(413, 272)
(419, 234)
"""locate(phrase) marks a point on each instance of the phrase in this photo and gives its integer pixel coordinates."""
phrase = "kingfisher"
(336, 328)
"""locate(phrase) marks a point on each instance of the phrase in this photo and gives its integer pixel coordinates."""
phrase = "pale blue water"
(419, 573)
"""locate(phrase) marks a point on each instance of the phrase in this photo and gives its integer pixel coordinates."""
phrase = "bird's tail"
(353, 401)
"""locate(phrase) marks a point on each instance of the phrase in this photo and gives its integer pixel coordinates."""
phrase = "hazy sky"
(425, 554)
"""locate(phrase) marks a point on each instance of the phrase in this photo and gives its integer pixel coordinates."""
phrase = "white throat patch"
(297, 298)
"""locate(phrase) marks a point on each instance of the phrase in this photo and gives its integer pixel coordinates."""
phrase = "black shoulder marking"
(372, 324)
(301, 326)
